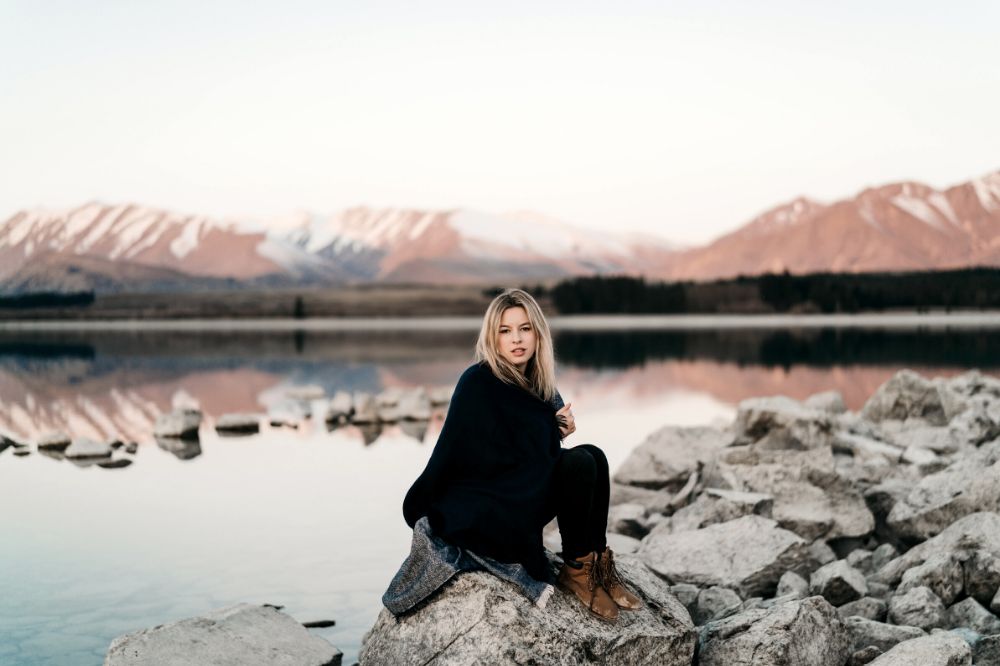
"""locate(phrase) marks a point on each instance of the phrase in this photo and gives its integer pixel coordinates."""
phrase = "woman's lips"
(518, 352)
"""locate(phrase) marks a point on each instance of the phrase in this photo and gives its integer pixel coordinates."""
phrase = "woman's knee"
(596, 454)
(578, 463)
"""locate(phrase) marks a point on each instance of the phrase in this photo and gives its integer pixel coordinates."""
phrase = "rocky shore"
(801, 535)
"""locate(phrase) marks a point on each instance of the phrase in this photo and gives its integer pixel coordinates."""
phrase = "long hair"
(540, 373)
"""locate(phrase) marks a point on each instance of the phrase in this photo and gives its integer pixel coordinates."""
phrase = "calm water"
(310, 518)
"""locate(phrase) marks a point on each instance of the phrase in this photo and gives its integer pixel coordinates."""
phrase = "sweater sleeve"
(464, 416)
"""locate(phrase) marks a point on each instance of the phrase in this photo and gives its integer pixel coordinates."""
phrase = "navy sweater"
(487, 484)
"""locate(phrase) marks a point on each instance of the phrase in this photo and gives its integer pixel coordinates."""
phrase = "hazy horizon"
(684, 121)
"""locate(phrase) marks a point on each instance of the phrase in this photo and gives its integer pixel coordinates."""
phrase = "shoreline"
(904, 319)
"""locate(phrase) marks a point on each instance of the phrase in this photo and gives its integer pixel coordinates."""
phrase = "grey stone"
(883, 555)
(668, 456)
(942, 574)
(414, 405)
(916, 455)
(748, 554)
(53, 441)
(995, 604)
(340, 408)
(918, 607)
(802, 632)
(779, 422)
(821, 552)
(478, 618)
(792, 584)
(178, 424)
(627, 519)
(238, 424)
(827, 401)
(878, 589)
(84, 448)
(939, 649)
(241, 634)
(654, 501)
(970, 484)
(623, 544)
(185, 449)
(719, 506)
(869, 608)
(838, 583)
(918, 434)
(865, 632)
(864, 656)
(860, 559)
(975, 531)
(365, 409)
(982, 575)
(440, 395)
(686, 593)
(970, 613)
(986, 651)
(715, 602)
(866, 447)
(906, 395)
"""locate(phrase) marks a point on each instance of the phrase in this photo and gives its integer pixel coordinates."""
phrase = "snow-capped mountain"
(112, 248)
(903, 226)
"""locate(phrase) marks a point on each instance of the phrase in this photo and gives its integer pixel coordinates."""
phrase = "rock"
(117, 463)
(827, 401)
(415, 406)
(864, 656)
(821, 552)
(479, 618)
(916, 455)
(942, 574)
(779, 422)
(975, 426)
(185, 449)
(54, 441)
(883, 555)
(986, 651)
(860, 559)
(838, 583)
(241, 634)
(803, 632)
(686, 593)
(238, 424)
(365, 409)
(970, 613)
(906, 395)
(440, 395)
(627, 519)
(981, 573)
(340, 408)
(654, 501)
(22, 452)
(918, 607)
(995, 604)
(389, 397)
(668, 456)
(970, 484)
(83, 448)
(131, 447)
(307, 392)
(622, 544)
(793, 585)
(178, 424)
(878, 590)
(865, 447)
(939, 649)
(719, 506)
(748, 554)
(869, 608)
(715, 602)
(975, 531)
(865, 632)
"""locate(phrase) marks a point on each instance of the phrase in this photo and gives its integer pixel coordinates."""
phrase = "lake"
(309, 517)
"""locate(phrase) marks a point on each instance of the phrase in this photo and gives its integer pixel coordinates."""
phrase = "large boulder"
(716, 505)
(970, 484)
(941, 648)
(908, 395)
(942, 574)
(668, 456)
(748, 555)
(241, 634)
(479, 619)
(800, 632)
(779, 422)
(865, 632)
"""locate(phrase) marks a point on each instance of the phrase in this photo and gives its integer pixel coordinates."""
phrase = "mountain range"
(129, 247)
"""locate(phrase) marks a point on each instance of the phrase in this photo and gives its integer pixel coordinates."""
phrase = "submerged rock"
(241, 634)
(805, 632)
(479, 619)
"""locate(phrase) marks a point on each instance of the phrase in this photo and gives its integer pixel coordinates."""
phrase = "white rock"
(53, 441)
(241, 634)
(180, 423)
(365, 411)
(340, 408)
(87, 448)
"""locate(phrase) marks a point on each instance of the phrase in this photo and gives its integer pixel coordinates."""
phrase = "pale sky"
(681, 118)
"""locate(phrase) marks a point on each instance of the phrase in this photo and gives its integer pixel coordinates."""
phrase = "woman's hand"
(567, 424)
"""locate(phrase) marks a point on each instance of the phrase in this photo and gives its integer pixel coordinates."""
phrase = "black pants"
(582, 491)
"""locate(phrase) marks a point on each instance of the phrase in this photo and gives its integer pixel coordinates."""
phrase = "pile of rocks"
(882, 525)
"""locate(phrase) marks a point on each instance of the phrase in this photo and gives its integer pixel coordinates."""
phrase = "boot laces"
(610, 576)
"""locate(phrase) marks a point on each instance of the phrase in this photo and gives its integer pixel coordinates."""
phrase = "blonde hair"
(540, 374)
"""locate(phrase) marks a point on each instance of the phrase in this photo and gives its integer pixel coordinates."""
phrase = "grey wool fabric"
(432, 562)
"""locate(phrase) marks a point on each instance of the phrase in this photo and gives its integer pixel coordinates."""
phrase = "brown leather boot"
(612, 582)
(581, 578)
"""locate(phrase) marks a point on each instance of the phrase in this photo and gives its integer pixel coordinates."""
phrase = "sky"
(684, 119)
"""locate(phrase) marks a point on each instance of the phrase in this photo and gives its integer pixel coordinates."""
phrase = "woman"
(498, 473)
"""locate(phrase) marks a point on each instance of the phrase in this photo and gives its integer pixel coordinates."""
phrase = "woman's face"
(517, 337)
